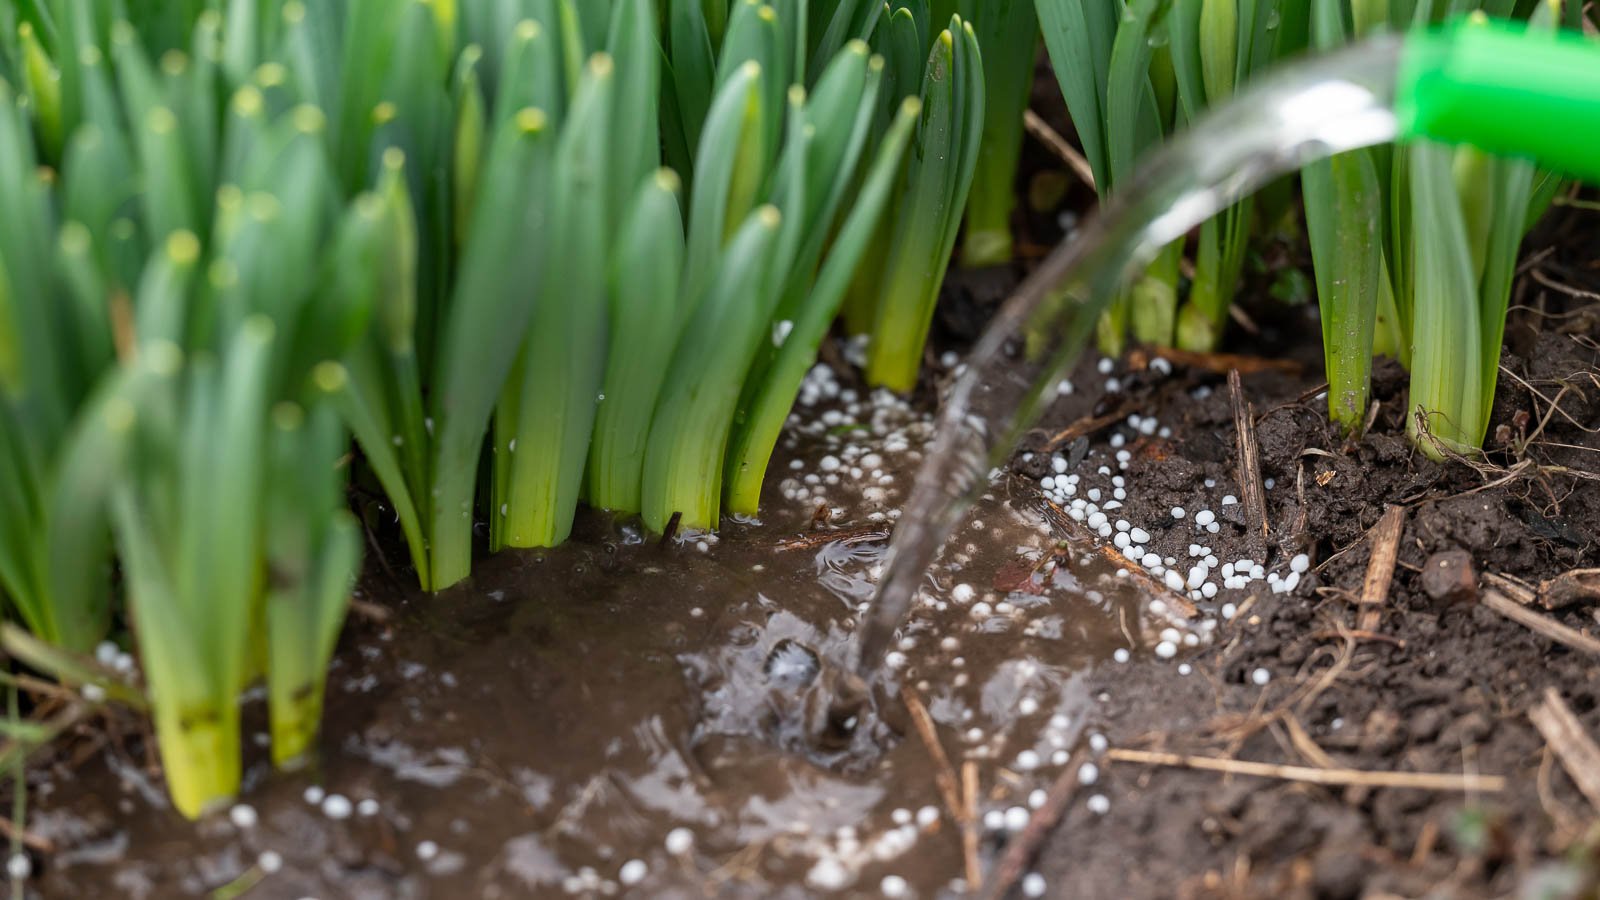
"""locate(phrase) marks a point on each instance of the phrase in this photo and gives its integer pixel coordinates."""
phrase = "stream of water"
(1304, 113)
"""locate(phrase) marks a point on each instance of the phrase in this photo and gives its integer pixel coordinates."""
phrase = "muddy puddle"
(617, 716)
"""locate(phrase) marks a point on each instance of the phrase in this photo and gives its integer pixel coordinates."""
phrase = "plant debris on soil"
(1399, 695)
(1421, 677)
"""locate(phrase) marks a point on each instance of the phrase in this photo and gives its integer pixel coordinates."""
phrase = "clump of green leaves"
(1414, 250)
(1008, 33)
(226, 237)
(1133, 73)
(893, 297)
(187, 271)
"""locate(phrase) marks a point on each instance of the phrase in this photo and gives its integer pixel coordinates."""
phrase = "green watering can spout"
(1506, 89)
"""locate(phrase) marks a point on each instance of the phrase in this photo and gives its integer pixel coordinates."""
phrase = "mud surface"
(609, 717)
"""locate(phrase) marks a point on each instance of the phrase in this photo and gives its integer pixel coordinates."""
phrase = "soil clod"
(1448, 577)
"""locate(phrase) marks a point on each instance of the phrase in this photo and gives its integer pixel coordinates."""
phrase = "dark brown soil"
(1438, 687)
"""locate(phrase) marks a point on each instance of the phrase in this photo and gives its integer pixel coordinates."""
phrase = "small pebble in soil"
(242, 815)
(679, 841)
(1033, 885)
(313, 795)
(19, 867)
(269, 862)
(1099, 804)
(336, 806)
(894, 886)
(632, 872)
(1260, 677)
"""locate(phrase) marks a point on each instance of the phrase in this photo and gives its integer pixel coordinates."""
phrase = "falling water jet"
(1342, 101)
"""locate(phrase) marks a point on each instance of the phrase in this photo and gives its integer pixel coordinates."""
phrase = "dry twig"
(1545, 625)
(38, 842)
(1215, 363)
(1086, 426)
(1427, 781)
(944, 775)
(1060, 146)
(969, 825)
(1572, 745)
(1568, 588)
(1249, 477)
(1306, 746)
(374, 612)
(962, 799)
(1075, 531)
(1380, 566)
(671, 531)
(1021, 850)
(1515, 588)
(863, 534)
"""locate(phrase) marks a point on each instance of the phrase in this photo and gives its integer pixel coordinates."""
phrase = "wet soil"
(610, 717)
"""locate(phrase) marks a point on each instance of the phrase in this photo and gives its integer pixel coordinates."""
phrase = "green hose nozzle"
(1506, 89)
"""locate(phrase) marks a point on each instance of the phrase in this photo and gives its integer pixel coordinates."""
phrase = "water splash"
(1304, 113)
